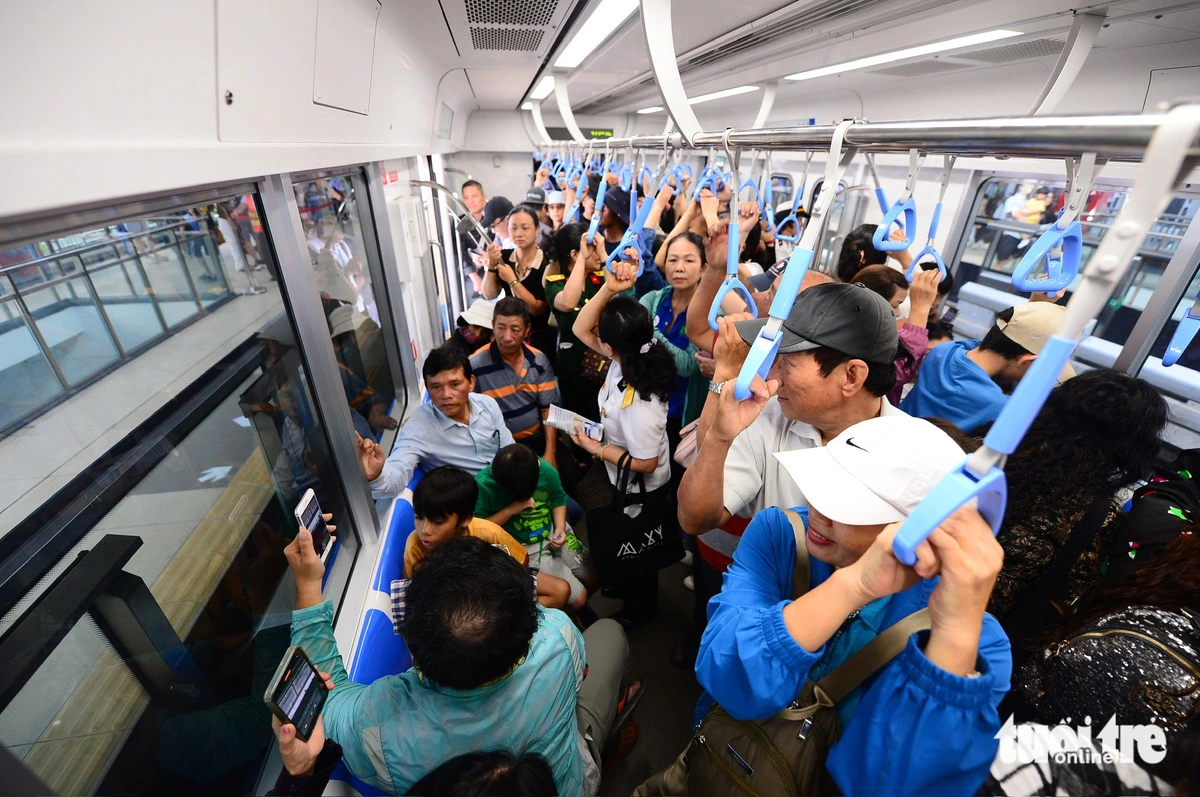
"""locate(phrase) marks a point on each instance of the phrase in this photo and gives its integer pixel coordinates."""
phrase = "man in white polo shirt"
(834, 367)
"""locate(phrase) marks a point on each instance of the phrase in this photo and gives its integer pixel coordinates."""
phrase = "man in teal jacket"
(492, 670)
(925, 723)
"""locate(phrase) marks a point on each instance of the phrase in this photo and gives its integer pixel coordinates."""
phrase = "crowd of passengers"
(827, 664)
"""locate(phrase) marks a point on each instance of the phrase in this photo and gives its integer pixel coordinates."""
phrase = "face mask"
(468, 335)
(783, 249)
(903, 309)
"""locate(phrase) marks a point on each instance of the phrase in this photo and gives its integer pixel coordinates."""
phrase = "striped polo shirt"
(522, 395)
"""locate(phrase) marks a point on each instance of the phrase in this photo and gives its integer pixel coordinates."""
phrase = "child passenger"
(523, 494)
(444, 506)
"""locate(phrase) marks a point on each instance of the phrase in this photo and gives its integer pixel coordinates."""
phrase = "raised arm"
(568, 298)
(614, 283)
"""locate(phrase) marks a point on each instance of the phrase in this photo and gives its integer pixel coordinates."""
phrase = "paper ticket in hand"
(566, 421)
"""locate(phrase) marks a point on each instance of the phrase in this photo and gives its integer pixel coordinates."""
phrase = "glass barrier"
(75, 307)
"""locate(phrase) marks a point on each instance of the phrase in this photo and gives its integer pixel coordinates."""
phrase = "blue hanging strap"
(732, 283)
(1189, 325)
(594, 227)
(880, 196)
(1066, 235)
(905, 205)
(930, 250)
(981, 476)
(632, 236)
(764, 348)
(766, 193)
(797, 198)
(581, 188)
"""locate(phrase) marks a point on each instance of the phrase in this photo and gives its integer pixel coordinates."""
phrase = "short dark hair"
(881, 377)
(471, 614)
(528, 210)
(996, 341)
(515, 470)
(471, 184)
(492, 774)
(446, 358)
(443, 492)
(881, 279)
(514, 308)
(858, 250)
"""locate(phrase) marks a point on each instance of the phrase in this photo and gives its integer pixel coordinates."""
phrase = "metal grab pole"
(1115, 137)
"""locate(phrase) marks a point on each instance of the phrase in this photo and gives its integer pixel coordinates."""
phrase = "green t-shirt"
(532, 524)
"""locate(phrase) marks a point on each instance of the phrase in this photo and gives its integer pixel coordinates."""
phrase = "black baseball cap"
(616, 199)
(536, 197)
(496, 208)
(848, 318)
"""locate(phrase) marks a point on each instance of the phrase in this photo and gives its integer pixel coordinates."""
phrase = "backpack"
(784, 754)
(1158, 512)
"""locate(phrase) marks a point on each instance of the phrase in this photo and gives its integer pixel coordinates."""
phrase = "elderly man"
(457, 427)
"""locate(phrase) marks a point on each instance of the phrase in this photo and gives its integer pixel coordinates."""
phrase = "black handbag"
(626, 545)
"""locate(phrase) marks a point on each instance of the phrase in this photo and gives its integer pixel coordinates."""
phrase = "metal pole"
(31, 323)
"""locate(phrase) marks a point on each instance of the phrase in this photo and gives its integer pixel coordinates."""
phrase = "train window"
(200, 448)
(1008, 216)
(1181, 380)
(75, 307)
(781, 187)
(347, 277)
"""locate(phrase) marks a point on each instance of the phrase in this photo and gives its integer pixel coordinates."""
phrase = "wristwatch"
(715, 387)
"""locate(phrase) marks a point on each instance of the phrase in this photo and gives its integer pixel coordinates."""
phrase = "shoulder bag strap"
(800, 572)
(878, 652)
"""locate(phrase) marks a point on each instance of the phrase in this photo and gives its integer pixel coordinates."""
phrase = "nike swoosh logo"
(850, 442)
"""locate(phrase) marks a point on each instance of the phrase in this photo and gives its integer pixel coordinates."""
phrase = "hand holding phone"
(297, 693)
(308, 515)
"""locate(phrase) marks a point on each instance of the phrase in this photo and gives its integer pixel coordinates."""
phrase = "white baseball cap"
(877, 471)
(556, 198)
(479, 313)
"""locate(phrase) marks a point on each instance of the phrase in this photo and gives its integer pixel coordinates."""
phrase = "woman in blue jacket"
(926, 722)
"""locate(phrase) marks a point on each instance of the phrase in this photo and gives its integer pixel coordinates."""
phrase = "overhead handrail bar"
(1066, 234)
(762, 352)
(1166, 162)
(1115, 137)
(905, 205)
(930, 249)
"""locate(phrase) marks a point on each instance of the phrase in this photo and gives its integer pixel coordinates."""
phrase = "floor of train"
(664, 716)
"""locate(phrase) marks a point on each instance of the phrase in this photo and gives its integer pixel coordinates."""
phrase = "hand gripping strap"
(930, 250)
(906, 205)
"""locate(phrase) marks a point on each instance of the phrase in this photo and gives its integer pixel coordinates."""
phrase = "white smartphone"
(308, 514)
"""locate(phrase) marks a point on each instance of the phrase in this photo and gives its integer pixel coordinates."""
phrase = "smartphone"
(308, 514)
(297, 692)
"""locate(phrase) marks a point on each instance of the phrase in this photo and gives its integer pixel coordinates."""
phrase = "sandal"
(621, 746)
(631, 695)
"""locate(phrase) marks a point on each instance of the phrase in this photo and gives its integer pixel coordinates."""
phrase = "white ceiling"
(614, 80)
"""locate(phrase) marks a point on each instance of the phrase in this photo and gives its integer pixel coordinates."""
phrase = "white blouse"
(640, 428)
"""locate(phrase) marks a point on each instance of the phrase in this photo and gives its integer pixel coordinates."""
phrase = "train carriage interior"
(257, 256)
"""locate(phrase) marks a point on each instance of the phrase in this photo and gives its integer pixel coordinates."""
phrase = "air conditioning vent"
(511, 39)
(506, 12)
(1020, 51)
(919, 69)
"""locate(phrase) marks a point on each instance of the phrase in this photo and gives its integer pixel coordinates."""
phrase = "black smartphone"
(308, 514)
(297, 692)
